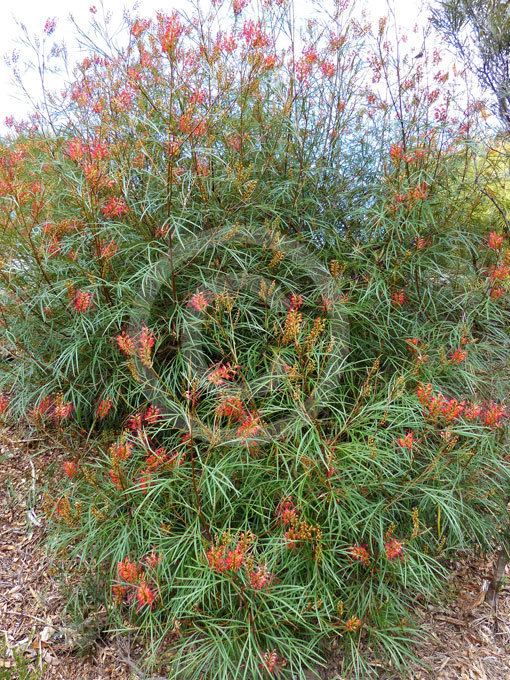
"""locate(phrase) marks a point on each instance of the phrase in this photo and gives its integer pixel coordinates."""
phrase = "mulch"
(466, 639)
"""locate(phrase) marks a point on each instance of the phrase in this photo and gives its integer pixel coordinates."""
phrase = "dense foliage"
(257, 282)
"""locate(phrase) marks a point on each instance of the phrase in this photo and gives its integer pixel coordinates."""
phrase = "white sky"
(33, 13)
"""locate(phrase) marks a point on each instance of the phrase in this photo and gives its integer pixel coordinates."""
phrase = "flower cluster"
(448, 410)
(359, 553)
(114, 207)
(53, 407)
(142, 345)
(137, 587)
(228, 556)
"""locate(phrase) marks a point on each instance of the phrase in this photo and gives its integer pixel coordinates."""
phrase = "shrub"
(252, 282)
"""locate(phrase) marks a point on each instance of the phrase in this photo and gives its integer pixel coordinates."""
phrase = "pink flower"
(394, 549)
(49, 26)
(199, 302)
(82, 301)
(359, 553)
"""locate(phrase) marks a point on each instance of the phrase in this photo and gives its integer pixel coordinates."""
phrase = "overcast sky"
(33, 13)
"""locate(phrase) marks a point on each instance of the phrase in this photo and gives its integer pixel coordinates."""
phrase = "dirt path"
(466, 641)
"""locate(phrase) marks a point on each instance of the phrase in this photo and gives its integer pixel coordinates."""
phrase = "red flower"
(70, 468)
(495, 240)
(499, 273)
(4, 402)
(62, 409)
(234, 559)
(115, 478)
(249, 428)
(145, 344)
(170, 30)
(231, 407)
(497, 292)
(120, 450)
(119, 593)
(458, 356)
(493, 415)
(145, 595)
(396, 152)
(108, 249)
(359, 553)
(296, 301)
(103, 408)
(115, 207)
(439, 406)
(152, 415)
(153, 559)
(399, 298)
(135, 422)
(472, 411)
(272, 663)
(221, 374)
(352, 624)
(128, 571)
(394, 549)
(140, 26)
(82, 301)
(287, 512)
(260, 578)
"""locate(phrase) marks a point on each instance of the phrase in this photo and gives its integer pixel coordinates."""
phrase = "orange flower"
(128, 571)
(352, 624)
(145, 595)
(458, 356)
(494, 240)
(70, 468)
(407, 441)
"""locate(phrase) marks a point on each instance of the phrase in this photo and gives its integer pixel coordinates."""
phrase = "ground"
(463, 640)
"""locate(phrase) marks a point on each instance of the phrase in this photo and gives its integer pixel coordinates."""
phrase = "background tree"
(479, 31)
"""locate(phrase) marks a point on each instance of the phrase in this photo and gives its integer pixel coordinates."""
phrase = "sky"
(33, 13)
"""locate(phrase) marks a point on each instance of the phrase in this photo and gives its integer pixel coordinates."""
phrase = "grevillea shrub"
(253, 281)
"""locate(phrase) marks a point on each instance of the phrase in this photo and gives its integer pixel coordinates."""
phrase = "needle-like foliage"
(252, 280)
